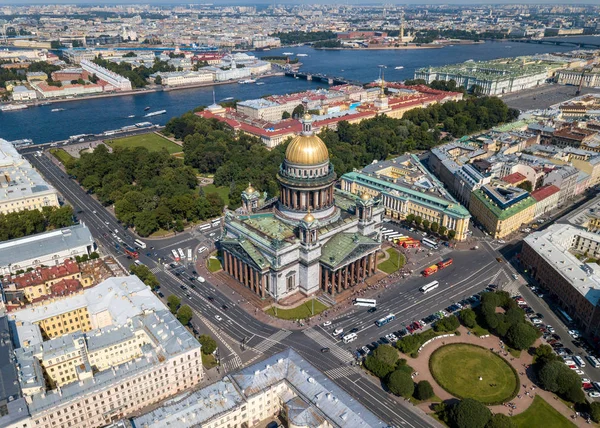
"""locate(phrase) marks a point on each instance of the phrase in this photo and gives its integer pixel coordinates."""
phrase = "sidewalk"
(527, 391)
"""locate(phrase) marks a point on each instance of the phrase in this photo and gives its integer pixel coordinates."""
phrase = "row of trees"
(137, 75)
(144, 274)
(183, 312)
(441, 85)
(212, 147)
(470, 413)
(555, 376)
(430, 226)
(149, 190)
(428, 36)
(28, 222)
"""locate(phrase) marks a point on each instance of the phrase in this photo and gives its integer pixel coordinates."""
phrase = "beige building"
(21, 186)
(502, 209)
(587, 78)
(180, 78)
(135, 354)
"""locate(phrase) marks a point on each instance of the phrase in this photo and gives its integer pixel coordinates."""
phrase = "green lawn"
(151, 141)
(479, 331)
(222, 191)
(457, 368)
(208, 361)
(541, 414)
(299, 312)
(61, 155)
(395, 261)
(213, 264)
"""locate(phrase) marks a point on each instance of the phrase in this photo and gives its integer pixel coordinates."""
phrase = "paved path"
(526, 393)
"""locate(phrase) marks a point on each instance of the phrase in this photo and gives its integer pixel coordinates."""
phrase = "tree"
(470, 413)
(595, 411)
(447, 324)
(451, 234)
(145, 223)
(173, 303)
(286, 115)
(418, 220)
(423, 391)
(400, 383)
(158, 80)
(209, 345)
(500, 421)
(526, 185)
(443, 230)
(144, 274)
(521, 335)
(426, 224)
(542, 353)
(468, 317)
(298, 111)
(184, 314)
(377, 367)
(435, 227)
(410, 218)
(408, 343)
(386, 354)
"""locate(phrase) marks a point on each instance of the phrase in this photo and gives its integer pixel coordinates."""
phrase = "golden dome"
(250, 189)
(309, 218)
(365, 196)
(307, 150)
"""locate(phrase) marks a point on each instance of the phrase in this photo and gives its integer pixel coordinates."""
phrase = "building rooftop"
(554, 244)
(514, 178)
(344, 248)
(311, 398)
(544, 192)
(499, 210)
(36, 246)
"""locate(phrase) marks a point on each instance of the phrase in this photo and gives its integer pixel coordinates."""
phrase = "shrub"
(400, 383)
(424, 391)
(377, 367)
(470, 413)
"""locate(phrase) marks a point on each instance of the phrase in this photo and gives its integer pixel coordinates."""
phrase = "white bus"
(371, 303)
(428, 287)
(181, 253)
(429, 243)
(351, 337)
(204, 226)
(190, 255)
(593, 361)
(139, 243)
(175, 255)
(216, 222)
(579, 361)
(383, 321)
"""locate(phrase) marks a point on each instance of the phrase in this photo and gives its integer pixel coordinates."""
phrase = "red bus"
(411, 243)
(444, 263)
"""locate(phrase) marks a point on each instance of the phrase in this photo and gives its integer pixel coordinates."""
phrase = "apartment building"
(21, 186)
(180, 78)
(49, 248)
(117, 81)
(546, 198)
(502, 209)
(284, 384)
(406, 187)
(550, 258)
(134, 354)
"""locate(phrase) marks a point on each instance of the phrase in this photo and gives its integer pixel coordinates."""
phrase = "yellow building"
(502, 209)
(64, 323)
(406, 187)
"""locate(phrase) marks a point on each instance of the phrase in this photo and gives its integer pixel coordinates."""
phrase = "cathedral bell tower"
(364, 208)
(308, 230)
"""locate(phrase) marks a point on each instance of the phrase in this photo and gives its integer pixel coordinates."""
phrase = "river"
(98, 115)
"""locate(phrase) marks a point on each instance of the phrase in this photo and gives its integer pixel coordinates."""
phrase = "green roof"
(246, 251)
(270, 226)
(498, 212)
(346, 247)
(448, 207)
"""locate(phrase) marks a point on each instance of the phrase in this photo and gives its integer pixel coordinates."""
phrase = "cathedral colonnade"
(252, 278)
(335, 281)
(309, 199)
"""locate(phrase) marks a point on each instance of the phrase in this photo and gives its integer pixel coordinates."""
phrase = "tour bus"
(593, 361)
(371, 303)
(216, 222)
(175, 255)
(351, 337)
(181, 253)
(204, 226)
(139, 243)
(428, 287)
(190, 255)
(579, 361)
(429, 243)
(385, 320)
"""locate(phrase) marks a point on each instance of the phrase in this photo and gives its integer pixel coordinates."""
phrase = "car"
(94, 211)
(218, 318)
(107, 223)
(200, 279)
(183, 287)
(160, 294)
(585, 380)
(556, 336)
(224, 307)
(402, 332)
(354, 330)
(594, 394)
(574, 334)
(189, 296)
(371, 310)
(366, 350)
(536, 321)
(550, 329)
(515, 276)
(539, 315)
(579, 372)
(324, 350)
(326, 323)
(211, 298)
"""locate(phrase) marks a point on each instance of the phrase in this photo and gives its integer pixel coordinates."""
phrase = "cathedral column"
(235, 267)
(257, 281)
(352, 268)
(251, 278)
(225, 264)
(263, 282)
(317, 200)
(346, 277)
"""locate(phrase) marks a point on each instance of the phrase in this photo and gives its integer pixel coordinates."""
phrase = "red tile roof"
(42, 275)
(514, 178)
(544, 192)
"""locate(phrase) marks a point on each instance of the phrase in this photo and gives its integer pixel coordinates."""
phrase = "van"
(579, 361)
(202, 249)
(200, 279)
(338, 331)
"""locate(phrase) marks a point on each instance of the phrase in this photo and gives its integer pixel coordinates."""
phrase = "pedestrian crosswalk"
(155, 269)
(328, 342)
(271, 341)
(232, 365)
(340, 372)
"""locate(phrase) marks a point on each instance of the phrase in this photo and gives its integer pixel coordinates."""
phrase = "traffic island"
(393, 261)
(304, 310)
(471, 371)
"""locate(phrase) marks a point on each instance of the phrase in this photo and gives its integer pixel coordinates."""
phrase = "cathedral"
(313, 237)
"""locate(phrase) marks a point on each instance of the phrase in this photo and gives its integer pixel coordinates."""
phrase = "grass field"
(61, 155)
(222, 191)
(213, 264)
(458, 368)
(395, 261)
(541, 414)
(209, 361)
(151, 141)
(299, 312)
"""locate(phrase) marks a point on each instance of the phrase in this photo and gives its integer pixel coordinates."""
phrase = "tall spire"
(402, 27)
(381, 84)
